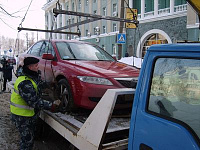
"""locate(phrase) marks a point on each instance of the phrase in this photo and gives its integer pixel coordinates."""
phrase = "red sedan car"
(81, 72)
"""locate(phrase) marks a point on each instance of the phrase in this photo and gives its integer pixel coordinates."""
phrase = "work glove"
(55, 105)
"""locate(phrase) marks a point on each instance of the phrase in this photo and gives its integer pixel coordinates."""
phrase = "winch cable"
(20, 25)
(49, 42)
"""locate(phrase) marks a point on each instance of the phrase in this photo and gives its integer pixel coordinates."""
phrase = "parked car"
(10, 59)
(82, 72)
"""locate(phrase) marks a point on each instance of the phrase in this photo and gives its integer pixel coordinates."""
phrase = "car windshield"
(82, 51)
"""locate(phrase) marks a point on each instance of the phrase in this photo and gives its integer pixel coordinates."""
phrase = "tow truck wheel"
(65, 95)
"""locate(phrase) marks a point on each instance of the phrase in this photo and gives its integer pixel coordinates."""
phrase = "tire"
(65, 95)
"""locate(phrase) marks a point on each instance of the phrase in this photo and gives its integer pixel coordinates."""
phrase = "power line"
(7, 12)
(26, 13)
(7, 24)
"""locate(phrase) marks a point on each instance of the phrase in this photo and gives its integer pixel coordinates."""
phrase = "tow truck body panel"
(151, 130)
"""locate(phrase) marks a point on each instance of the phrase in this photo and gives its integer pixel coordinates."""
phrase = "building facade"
(160, 22)
(102, 32)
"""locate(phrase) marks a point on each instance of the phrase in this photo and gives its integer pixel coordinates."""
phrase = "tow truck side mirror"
(47, 56)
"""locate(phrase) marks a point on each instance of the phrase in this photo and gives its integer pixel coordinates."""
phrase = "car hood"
(107, 68)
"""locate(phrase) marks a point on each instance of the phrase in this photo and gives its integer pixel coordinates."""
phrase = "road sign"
(121, 38)
(131, 16)
(10, 50)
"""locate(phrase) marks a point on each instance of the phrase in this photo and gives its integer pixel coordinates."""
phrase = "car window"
(82, 51)
(47, 48)
(36, 49)
(63, 49)
(175, 91)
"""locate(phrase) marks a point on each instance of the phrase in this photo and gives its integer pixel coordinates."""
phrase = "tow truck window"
(175, 91)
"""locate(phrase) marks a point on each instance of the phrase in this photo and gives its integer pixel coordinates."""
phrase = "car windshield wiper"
(70, 59)
(104, 60)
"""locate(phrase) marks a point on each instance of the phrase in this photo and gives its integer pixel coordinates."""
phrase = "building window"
(114, 51)
(104, 11)
(149, 5)
(94, 1)
(86, 32)
(79, 4)
(114, 27)
(103, 46)
(163, 4)
(95, 12)
(179, 2)
(104, 29)
(72, 6)
(69, 37)
(87, 2)
(72, 20)
(79, 18)
(114, 10)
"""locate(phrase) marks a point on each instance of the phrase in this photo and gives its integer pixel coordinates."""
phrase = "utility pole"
(27, 40)
(121, 26)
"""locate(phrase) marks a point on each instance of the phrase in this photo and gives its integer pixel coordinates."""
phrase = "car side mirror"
(47, 56)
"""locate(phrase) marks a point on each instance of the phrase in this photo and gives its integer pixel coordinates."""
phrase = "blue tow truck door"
(166, 110)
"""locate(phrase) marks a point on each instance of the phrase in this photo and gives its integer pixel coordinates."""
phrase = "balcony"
(180, 8)
(164, 12)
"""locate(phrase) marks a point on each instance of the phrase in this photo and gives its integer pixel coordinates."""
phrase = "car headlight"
(94, 80)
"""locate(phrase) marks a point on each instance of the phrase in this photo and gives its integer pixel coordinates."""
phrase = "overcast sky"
(18, 8)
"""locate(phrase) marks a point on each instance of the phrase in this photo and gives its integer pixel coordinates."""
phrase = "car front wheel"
(65, 95)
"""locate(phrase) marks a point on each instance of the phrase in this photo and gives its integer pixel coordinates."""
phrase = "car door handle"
(145, 147)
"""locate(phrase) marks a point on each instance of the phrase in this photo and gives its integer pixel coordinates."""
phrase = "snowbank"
(133, 61)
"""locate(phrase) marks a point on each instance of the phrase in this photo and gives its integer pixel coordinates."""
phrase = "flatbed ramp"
(97, 131)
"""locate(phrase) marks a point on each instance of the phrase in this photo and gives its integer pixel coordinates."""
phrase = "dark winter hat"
(30, 60)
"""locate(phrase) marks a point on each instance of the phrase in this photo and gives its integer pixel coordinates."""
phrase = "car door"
(168, 110)
(46, 66)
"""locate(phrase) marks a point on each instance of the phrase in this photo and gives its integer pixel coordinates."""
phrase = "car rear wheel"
(65, 95)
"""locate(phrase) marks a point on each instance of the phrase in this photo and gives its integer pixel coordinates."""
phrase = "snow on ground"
(133, 61)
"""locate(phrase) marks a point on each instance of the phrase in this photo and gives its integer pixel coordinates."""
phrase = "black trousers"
(4, 83)
(26, 127)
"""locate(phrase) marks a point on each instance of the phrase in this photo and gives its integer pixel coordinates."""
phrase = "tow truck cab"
(166, 108)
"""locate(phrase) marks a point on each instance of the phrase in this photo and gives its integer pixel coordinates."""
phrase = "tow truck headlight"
(94, 80)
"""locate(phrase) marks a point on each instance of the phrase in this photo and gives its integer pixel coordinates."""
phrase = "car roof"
(183, 47)
(69, 41)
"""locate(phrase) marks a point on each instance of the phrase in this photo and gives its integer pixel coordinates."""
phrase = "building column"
(63, 20)
(54, 25)
(142, 8)
(58, 25)
(171, 6)
(155, 7)
(54, 34)
(49, 22)
(130, 3)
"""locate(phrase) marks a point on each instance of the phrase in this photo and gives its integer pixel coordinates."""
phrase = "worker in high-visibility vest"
(25, 102)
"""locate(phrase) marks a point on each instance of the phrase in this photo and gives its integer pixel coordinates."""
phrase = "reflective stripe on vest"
(21, 106)
(18, 106)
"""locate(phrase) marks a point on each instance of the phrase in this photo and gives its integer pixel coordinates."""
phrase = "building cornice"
(193, 26)
(49, 5)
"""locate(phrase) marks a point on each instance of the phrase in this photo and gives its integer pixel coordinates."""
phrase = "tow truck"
(165, 112)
